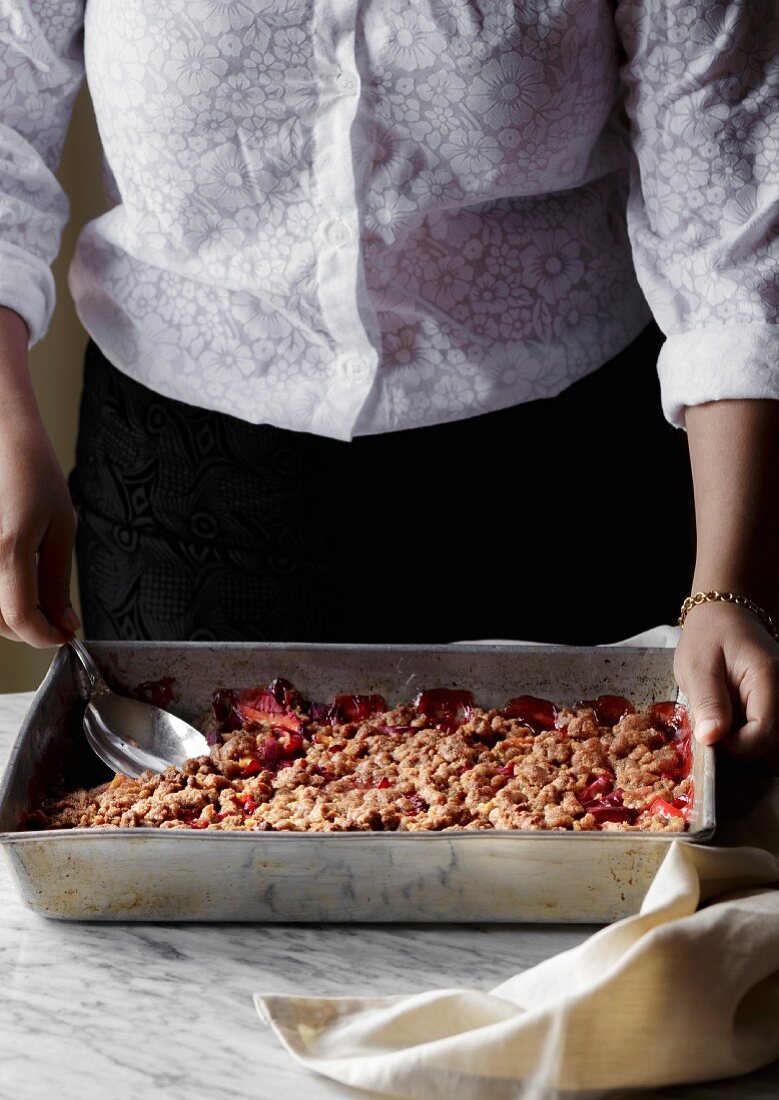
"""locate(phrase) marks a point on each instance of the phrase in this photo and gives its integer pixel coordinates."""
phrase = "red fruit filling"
(684, 802)
(279, 721)
(157, 692)
(610, 808)
(259, 699)
(272, 752)
(192, 819)
(673, 720)
(225, 713)
(285, 693)
(665, 809)
(684, 750)
(539, 714)
(273, 704)
(609, 709)
(670, 718)
(446, 708)
(600, 786)
(355, 708)
(418, 805)
(291, 743)
(383, 784)
(272, 755)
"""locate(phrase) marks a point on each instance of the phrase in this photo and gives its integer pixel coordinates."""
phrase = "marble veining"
(142, 1011)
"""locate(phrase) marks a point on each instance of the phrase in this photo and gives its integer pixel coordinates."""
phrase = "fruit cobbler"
(280, 762)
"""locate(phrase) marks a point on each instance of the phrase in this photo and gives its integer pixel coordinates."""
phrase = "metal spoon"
(131, 736)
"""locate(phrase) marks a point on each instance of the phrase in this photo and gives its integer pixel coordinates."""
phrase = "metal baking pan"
(506, 875)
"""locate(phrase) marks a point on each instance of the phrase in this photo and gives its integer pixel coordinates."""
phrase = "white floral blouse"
(354, 216)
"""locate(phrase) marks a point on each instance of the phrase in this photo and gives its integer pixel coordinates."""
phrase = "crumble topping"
(442, 762)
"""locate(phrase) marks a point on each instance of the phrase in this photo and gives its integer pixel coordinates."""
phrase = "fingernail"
(706, 730)
(70, 619)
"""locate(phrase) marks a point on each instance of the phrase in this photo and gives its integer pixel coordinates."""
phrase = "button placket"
(352, 328)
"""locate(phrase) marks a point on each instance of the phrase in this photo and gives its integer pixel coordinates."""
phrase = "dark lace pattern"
(194, 524)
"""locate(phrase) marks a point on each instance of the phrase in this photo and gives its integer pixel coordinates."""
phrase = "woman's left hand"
(727, 664)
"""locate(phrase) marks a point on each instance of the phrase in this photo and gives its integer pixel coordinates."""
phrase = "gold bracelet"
(730, 597)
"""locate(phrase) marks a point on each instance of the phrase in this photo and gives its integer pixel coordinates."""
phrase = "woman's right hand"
(37, 523)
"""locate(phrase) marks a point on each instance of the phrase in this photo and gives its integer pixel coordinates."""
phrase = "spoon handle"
(94, 675)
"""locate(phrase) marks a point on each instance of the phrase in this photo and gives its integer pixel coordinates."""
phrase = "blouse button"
(358, 368)
(346, 83)
(338, 233)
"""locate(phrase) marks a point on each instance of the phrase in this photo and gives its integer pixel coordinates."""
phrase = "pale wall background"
(56, 362)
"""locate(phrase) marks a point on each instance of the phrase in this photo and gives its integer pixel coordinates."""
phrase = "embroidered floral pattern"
(354, 218)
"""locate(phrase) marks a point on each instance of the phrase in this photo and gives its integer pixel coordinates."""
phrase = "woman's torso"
(348, 218)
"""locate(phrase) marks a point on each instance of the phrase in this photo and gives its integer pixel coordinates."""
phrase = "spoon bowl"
(131, 736)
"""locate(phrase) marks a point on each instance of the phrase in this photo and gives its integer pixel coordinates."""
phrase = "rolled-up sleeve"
(702, 82)
(41, 68)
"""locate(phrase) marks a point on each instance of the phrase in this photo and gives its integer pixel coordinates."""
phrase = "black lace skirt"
(565, 520)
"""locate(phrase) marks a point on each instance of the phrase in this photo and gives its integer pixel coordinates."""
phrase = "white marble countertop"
(165, 1010)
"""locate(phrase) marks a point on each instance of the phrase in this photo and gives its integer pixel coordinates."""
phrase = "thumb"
(712, 711)
(54, 562)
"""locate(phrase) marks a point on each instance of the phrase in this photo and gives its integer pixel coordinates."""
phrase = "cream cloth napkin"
(686, 990)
